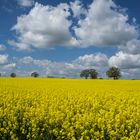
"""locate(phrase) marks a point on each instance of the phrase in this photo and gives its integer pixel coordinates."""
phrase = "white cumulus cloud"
(95, 60)
(125, 60)
(27, 60)
(44, 27)
(105, 25)
(25, 3)
(3, 59)
(77, 8)
(9, 66)
(131, 47)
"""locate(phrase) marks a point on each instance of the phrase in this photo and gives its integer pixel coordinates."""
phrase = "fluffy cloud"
(125, 60)
(131, 73)
(27, 60)
(5, 65)
(25, 3)
(62, 69)
(77, 8)
(105, 25)
(2, 47)
(9, 67)
(19, 45)
(44, 27)
(3, 59)
(92, 60)
(131, 47)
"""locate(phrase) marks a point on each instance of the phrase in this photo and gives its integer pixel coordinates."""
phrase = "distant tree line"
(13, 75)
(112, 72)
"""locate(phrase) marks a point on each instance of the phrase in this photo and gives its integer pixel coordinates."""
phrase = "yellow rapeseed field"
(69, 109)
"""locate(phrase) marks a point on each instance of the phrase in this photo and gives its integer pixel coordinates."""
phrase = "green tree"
(114, 73)
(13, 75)
(93, 73)
(85, 73)
(34, 74)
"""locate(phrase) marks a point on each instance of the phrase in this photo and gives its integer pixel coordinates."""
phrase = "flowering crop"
(68, 109)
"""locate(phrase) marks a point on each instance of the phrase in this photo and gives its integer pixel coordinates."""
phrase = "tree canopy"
(34, 74)
(84, 73)
(93, 73)
(114, 73)
(89, 73)
(13, 75)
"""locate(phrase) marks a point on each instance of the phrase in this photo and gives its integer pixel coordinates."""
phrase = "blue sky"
(61, 37)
